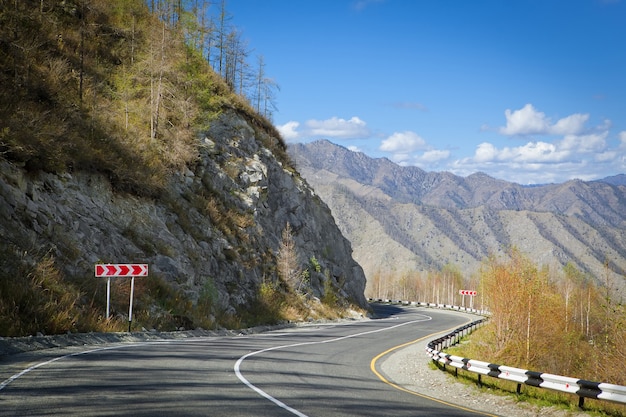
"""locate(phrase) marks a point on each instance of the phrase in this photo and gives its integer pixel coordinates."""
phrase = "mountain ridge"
(467, 219)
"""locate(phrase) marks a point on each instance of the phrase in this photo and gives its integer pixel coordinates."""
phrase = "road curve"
(315, 370)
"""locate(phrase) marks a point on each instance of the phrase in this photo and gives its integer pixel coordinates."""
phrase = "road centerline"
(276, 401)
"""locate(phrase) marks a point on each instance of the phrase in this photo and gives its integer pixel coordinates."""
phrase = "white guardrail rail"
(580, 387)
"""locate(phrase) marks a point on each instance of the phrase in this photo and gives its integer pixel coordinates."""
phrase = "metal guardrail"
(580, 387)
(431, 305)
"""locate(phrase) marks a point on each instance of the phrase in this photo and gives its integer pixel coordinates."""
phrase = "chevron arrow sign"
(121, 270)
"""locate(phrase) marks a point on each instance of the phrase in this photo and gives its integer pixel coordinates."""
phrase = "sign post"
(130, 302)
(108, 296)
(121, 270)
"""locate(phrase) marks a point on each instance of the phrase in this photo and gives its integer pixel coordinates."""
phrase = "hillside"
(120, 144)
(402, 219)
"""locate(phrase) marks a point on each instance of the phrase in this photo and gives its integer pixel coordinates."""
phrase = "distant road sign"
(121, 270)
(467, 292)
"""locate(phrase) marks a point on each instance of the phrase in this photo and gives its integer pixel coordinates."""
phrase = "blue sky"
(530, 91)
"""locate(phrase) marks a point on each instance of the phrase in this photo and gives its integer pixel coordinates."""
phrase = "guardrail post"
(582, 388)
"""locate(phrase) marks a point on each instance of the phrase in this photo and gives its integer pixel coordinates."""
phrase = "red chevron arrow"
(121, 270)
(139, 270)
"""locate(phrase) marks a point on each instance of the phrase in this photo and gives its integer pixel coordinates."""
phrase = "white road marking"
(280, 403)
(237, 367)
(58, 358)
(7, 381)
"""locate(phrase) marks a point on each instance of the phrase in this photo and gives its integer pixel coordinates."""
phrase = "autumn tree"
(514, 291)
(288, 262)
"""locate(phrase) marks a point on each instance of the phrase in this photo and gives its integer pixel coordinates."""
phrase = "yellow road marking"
(398, 387)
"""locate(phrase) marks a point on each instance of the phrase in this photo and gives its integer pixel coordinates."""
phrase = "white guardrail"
(580, 387)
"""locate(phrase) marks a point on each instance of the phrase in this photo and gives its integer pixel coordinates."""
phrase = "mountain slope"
(427, 220)
(112, 154)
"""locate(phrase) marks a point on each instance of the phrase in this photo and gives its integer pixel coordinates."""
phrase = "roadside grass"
(540, 397)
(36, 298)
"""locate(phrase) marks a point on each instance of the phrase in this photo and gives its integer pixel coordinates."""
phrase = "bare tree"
(222, 36)
(264, 93)
(288, 263)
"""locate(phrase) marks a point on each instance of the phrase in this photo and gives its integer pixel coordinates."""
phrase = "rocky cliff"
(216, 225)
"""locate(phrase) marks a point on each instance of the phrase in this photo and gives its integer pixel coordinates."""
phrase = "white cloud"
(289, 131)
(401, 158)
(409, 148)
(530, 121)
(336, 127)
(570, 125)
(594, 142)
(485, 152)
(621, 158)
(529, 153)
(525, 121)
(584, 156)
(403, 142)
(533, 152)
(434, 155)
(622, 138)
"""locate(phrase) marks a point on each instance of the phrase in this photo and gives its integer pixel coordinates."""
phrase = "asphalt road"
(315, 370)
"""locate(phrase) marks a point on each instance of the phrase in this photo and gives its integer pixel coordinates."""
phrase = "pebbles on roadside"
(409, 368)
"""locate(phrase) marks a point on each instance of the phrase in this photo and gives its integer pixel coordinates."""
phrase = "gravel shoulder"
(409, 367)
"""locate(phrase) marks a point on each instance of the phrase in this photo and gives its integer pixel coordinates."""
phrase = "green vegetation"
(125, 88)
(109, 86)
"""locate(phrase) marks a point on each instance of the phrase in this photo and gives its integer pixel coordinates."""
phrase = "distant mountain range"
(615, 179)
(404, 218)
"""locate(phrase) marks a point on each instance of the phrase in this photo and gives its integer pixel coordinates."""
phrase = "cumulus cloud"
(532, 152)
(570, 125)
(432, 156)
(540, 152)
(403, 142)
(409, 148)
(289, 131)
(594, 142)
(585, 156)
(530, 121)
(485, 152)
(336, 127)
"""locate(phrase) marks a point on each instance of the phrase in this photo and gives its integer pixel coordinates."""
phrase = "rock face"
(219, 221)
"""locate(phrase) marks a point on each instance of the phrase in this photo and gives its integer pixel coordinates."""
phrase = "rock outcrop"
(218, 222)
